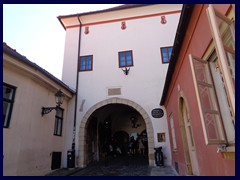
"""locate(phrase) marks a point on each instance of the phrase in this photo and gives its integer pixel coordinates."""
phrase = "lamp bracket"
(46, 110)
(125, 70)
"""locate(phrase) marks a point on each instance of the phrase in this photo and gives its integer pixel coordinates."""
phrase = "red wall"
(197, 40)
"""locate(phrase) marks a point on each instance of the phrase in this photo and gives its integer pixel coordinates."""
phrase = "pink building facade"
(199, 92)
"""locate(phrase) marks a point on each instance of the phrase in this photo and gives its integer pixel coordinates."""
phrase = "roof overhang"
(73, 20)
(180, 34)
(13, 58)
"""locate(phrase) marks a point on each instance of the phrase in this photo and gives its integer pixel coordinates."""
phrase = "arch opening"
(187, 137)
(111, 126)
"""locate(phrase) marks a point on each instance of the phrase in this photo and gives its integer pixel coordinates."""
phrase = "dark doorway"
(144, 139)
(91, 140)
(121, 140)
(108, 132)
(56, 160)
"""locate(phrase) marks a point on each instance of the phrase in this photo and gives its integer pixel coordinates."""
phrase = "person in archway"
(136, 146)
(110, 149)
(106, 153)
(141, 147)
(118, 150)
(131, 145)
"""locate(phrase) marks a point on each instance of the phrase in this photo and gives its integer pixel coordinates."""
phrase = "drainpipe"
(76, 98)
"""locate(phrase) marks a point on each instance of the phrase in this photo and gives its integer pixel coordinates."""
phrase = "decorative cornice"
(61, 18)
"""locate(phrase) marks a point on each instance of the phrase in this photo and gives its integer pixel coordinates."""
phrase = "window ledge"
(230, 149)
(229, 153)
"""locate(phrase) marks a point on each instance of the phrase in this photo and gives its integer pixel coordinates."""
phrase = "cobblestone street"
(119, 166)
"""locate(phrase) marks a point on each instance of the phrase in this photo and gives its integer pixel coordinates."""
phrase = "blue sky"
(35, 32)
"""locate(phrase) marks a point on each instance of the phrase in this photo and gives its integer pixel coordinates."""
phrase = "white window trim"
(173, 134)
(212, 13)
(191, 57)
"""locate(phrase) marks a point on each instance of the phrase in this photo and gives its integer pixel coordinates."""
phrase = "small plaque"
(157, 113)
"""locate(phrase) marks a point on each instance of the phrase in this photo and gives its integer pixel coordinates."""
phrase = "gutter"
(76, 98)
(180, 34)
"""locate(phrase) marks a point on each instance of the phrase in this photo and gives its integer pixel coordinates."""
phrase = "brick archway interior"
(82, 135)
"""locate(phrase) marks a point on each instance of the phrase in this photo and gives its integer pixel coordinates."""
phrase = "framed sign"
(161, 137)
(157, 113)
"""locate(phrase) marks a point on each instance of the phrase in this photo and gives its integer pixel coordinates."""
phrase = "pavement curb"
(63, 172)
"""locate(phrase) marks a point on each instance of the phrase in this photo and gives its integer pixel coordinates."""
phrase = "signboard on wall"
(157, 113)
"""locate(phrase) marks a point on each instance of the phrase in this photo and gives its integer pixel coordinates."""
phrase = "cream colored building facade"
(30, 140)
(97, 49)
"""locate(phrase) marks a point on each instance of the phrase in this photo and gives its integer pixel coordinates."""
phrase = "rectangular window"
(8, 100)
(125, 59)
(166, 53)
(58, 122)
(85, 63)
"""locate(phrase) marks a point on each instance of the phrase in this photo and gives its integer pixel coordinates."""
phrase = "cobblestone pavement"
(119, 166)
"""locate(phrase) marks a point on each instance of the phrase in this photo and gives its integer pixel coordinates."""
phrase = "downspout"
(76, 98)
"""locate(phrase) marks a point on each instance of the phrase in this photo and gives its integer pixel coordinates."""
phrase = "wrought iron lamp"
(59, 97)
(125, 70)
(134, 122)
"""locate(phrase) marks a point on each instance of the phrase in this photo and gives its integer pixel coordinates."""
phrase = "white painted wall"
(29, 141)
(70, 57)
(144, 84)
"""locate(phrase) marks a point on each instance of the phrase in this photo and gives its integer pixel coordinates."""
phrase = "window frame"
(6, 120)
(222, 97)
(169, 57)
(221, 50)
(202, 109)
(86, 63)
(125, 61)
(58, 122)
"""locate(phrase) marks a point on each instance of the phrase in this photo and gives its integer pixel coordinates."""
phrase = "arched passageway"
(113, 121)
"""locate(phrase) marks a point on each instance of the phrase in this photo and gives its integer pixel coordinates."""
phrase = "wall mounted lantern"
(125, 70)
(59, 97)
(134, 122)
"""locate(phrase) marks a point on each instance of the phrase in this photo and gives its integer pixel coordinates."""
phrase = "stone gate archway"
(82, 128)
